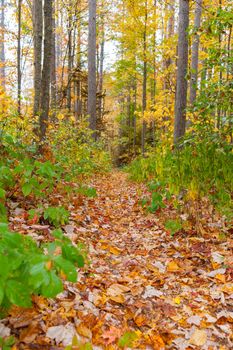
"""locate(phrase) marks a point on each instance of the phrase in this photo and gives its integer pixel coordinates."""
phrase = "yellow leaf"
(198, 338)
(115, 250)
(84, 331)
(177, 300)
(221, 278)
(172, 266)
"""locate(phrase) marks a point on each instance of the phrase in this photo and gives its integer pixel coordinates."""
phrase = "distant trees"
(146, 89)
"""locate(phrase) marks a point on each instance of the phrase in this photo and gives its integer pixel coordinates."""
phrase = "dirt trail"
(173, 292)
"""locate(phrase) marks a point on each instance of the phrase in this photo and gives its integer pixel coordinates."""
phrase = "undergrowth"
(200, 167)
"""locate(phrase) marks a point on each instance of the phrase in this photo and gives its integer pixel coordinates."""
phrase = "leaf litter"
(143, 288)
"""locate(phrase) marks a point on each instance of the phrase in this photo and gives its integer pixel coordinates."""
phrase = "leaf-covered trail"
(174, 293)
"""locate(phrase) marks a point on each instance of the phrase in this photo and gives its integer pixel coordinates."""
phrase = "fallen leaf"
(198, 338)
(152, 292)
(172, 266)
(116, 292)
(84, 331)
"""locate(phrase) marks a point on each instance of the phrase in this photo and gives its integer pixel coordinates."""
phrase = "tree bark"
(19, 73)
(91, 103)
(101, 65)
(37, 38)
(195, 53)
(2, 47)
(53, 68)
(144, 88)
(182, 63)
(46, 72)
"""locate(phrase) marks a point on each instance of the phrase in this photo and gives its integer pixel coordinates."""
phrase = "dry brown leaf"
(198, 338)
(84, 331)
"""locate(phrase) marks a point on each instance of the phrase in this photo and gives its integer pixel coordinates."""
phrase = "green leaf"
(18, 293)
(27, 189)
(173, 226)
(71, 253)
(58, 234)
(67, 267)
(2, 193)
(54, 286)
(39, 275)
(1, 292)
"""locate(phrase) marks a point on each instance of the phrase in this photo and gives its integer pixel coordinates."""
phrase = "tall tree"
(19, 72)
(91, 103)
(101, 63)
(144, 85)
(195, 52)
(53, 67)
(182, 69)
(2, 46)
(46, 71)
(37, 38)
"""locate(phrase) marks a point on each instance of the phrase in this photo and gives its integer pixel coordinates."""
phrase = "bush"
(200, 167)
(26, 269)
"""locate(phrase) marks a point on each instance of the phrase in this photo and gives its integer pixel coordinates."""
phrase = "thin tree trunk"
(182, 86)
(101, 66)
(91, 103)
(219, 111)
(144, 92)
(195, 53)
(46, 72)
(78, 103)
(37, 37)
(19, 73)
(2, 47)
(53, 68)
(69, 85)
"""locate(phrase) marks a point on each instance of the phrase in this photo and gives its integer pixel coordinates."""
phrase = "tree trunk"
(46, 72)
(101, 68)
(37, 38)
(78, 99)
(2, 47)
(91, 103)
(144, 88)
(19, 73)
(195, 53)
(181, 86)
(53, 68)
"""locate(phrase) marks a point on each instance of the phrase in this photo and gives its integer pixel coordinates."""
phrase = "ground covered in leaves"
(155, 290)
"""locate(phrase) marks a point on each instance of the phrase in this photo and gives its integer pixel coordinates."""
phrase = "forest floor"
(161, 292)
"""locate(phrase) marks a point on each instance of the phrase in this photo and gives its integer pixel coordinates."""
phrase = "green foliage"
(75, 149)
(173, 226)
(202, 166)
(57, 216)
(158, 195)
(86, 191)
(7, 343)
(27, 269)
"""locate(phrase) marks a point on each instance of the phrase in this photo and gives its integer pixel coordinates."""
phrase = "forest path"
(171, 292)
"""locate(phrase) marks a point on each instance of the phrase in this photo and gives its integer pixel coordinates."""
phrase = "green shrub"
(26, 269)
(202, 166)
(57, 216)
